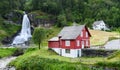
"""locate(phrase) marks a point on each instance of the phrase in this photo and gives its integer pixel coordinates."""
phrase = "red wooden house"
(70, 41)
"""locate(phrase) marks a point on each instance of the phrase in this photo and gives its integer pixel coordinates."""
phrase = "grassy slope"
(5, 52)
(111, 61)
(40, 59)
(33, 56)
(101, 37)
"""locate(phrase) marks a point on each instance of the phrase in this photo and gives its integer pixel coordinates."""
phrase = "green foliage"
(39, 35)
(83, 11)
(38, 63)
(10, 5)
(5, 52)
(61, 19)
(7, 29)
(80, 11)
(109, 64)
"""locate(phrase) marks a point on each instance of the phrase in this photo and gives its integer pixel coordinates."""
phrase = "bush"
(115, 64)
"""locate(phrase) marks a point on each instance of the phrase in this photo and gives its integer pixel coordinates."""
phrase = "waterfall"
(25, 33)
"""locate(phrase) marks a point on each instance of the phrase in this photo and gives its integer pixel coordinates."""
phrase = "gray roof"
(71, 32)
(54, 39)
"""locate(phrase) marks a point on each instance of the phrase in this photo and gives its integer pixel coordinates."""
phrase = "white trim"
(81, 33)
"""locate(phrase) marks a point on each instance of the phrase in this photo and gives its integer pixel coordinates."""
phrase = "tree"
(38, 36)
(61, 19)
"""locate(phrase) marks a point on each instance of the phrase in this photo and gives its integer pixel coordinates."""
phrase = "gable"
(88, 31)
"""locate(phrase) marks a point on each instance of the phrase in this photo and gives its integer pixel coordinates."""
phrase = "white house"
(99, 25)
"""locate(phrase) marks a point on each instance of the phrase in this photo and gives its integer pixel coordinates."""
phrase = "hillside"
(80, 11)
(7, 30)
(101, 37)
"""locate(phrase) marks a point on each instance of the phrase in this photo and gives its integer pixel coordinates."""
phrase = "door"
(77, 53)
(82, 44)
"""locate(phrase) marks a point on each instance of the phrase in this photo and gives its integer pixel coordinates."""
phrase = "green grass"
(5, 52)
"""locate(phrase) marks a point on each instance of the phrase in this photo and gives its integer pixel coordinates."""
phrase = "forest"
(68, 11)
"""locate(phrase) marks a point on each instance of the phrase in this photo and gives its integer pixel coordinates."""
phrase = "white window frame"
(67, 43)
(86, 42)
(78, 43)
(82, 34)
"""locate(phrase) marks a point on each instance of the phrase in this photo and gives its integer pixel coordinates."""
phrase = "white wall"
(73, 52)
(57, 50)
(100, 26)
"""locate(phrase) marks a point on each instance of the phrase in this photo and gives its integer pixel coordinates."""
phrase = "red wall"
(84, 38)
(53, 44)
(72, 44)
(80, 39)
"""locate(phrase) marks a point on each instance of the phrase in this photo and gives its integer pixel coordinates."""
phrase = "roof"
(98, 22)
(71, 32)
(54, 39)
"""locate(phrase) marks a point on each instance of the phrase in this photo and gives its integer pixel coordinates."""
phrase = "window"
(86, 42)
(86, 34)
(78, 43)
(67, 43)
(81, 34)
(67, 50)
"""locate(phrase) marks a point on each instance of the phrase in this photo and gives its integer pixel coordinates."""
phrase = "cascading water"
(25, 33)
